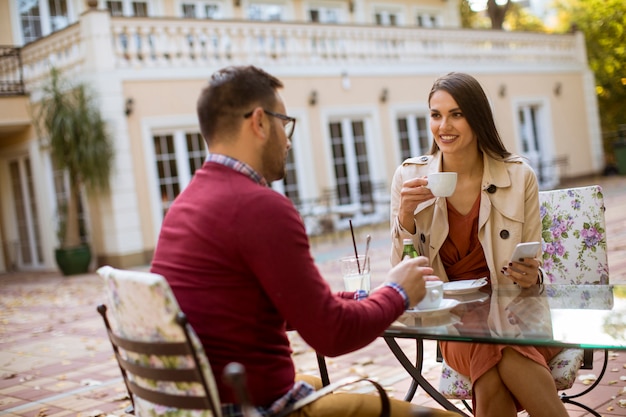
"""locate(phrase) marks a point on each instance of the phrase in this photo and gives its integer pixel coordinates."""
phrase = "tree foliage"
(519, 19)
(497, 13)
(468, 16)
(604, 24)
(76, 135)
(509, 16)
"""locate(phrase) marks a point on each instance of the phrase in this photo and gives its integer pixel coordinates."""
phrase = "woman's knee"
(489, 384)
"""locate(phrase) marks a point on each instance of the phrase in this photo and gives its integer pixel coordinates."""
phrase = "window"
(61, 187)
(533, 143)
(413, 136)
(387, 18)
(427, 20)
(189, 10)
(41, 17)
(177, 156)
(290, 182)
(58, 14)
(265, 11)
(201, 10)
(351, 162)
(28, 249)
(115, 8)
(324, 14)
(127, 8)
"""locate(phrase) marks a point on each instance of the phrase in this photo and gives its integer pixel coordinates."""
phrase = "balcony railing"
(134, 45)
(11, 77)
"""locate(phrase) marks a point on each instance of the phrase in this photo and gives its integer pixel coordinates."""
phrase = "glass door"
(26, 251)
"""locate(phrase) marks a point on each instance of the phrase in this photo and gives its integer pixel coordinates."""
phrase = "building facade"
(357, 75)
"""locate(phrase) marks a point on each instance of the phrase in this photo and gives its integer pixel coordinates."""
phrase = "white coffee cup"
(442, 184)
(433, 297)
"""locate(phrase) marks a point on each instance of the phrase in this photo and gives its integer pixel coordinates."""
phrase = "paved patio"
(55, 359)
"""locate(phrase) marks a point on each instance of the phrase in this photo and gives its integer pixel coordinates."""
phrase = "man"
(237, 257)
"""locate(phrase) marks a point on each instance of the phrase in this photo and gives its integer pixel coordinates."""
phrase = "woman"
(472, 234)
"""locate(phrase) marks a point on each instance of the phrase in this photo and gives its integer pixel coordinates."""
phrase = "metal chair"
(574, 252)
(162, 361)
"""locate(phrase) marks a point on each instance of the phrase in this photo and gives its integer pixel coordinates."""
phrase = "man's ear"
(258, 122)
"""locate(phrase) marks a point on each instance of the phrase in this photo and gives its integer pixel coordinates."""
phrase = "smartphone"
(525, 250)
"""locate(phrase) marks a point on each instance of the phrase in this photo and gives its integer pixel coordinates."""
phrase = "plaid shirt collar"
(238, 166)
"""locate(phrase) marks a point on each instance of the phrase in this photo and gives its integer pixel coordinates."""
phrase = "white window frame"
(434, 17)
(286, 9)
(340, 8)
(127, 6)
(540, 156)
(385, 11)
(44, 16)
(413, 133)
(375, 152)
(416, 109)
(200, 8)
(177, 126)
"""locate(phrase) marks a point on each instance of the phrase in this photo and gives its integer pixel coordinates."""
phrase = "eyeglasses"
(289, 125)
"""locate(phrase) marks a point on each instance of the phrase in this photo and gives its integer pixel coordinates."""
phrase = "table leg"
(416, 373)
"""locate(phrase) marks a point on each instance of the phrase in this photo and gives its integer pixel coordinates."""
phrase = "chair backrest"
(574, 246)
(161, 358)
(574, 236)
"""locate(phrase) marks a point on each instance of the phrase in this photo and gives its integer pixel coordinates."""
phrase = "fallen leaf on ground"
(120, 397)
(587, 379)
(90, 382)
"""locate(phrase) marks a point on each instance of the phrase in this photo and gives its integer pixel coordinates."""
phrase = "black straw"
(354, 244)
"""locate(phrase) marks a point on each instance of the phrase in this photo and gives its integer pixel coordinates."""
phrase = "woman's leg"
(531, 384)
(491, 396)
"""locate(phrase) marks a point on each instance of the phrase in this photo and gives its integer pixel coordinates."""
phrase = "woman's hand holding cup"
(413, 192)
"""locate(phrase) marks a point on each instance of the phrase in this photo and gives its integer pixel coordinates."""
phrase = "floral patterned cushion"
(563, 366)
(574, 253)
(142, 307)
(574, 236)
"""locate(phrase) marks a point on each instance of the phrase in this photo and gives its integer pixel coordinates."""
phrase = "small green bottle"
(409, 249)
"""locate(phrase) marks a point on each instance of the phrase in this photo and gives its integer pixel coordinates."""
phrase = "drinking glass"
(356, 275)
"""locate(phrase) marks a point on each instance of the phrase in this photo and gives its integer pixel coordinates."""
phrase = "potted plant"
(73, 130)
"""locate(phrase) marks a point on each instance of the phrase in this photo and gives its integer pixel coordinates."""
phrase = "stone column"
(116, 224)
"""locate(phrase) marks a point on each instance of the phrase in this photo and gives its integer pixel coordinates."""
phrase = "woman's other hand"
(524, 273)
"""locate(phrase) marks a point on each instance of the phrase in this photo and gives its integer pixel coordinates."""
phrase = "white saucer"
(430, 321)
(470, 298)
(446, 305)
(465, 286)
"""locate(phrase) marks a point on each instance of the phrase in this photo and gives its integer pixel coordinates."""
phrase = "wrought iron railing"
(11, 72)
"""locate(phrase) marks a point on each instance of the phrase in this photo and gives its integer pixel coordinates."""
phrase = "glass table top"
(589, 316)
